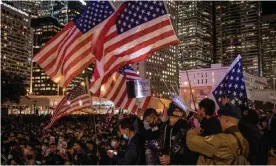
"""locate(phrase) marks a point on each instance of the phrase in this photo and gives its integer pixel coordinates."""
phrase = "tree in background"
(12, 87)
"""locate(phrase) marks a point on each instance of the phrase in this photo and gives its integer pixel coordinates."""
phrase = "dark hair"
(126, 123)
(208, 105)
(149, 111)
(53, 144)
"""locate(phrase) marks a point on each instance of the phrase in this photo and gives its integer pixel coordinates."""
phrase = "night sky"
(268, 7)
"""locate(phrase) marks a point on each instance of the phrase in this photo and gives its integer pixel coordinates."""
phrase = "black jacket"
(257, 149)
(135, 153)
(144, 134)
(210, 126)
(173, 143)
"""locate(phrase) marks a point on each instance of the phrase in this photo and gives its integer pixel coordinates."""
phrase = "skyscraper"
(65, 11)
(269, 48)
(44, 29)
(195, 32)
(16, 41)
(238, 31)
(28, 6)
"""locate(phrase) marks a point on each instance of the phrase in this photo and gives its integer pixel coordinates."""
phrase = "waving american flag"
(135, 30)
(115, 90)
(232, 85)
(68, 53)
(76, 100)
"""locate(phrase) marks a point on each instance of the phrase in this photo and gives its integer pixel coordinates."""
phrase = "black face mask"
(29, 157)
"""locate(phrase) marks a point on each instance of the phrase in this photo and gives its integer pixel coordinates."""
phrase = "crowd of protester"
(146, 138)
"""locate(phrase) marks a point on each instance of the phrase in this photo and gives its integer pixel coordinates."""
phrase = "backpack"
(239, 159)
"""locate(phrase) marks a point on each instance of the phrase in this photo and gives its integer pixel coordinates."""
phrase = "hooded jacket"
(173, 142)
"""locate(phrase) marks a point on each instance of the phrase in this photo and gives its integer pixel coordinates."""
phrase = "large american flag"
(135, 30)
(115, 90)
(76, 100)
(68, 53)
(232, 86)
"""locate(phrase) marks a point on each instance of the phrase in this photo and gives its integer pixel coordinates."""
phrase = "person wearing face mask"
(31, 157)
(135, 151)
(173, 149)
(208, 123)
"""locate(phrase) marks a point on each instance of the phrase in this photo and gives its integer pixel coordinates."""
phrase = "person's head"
(53, 147)
(31, 155)
(229, 115)
(44, 146)
(269, 114)
(126, 128)
(76, 146)
(89, 145)
(114, 143)
(19, 135)
(175, 113)
(206, 107)
(151, 116)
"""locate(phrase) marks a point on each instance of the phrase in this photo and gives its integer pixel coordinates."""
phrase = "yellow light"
(57, 79)
(114, 77)
(82, 83)
(102, 88)
(64, 89)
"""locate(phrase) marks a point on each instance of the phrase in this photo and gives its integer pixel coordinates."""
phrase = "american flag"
(68, 53)
(115, 90)
(76, 100)
(232, 86)
(140, 28)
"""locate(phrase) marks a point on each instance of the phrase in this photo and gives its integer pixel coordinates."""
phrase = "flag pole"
(162, 79)
(91, 100)
(186, 70)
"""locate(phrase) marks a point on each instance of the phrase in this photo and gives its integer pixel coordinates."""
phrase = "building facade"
(44, 29)
(203, 80)
(238, 32)
(195, 32)
(269, 48)
(16, 41)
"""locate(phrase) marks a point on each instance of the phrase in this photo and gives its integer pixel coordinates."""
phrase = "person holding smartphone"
(135, 150)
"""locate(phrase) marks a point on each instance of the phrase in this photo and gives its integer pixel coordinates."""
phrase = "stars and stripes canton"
(116, 90)
(76, 100)
(232, 86)
(68, 53)
(129, 73)
(140, 28)
(94, 14)
(139, 12)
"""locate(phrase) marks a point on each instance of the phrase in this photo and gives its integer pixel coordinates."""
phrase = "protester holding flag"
(229, 147)
(209, 124)
(174, 150)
